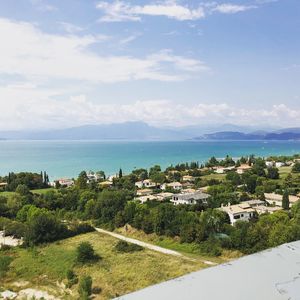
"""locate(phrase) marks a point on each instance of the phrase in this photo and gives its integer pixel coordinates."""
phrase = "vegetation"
(50, 221)
(85, 287)
(125, 247)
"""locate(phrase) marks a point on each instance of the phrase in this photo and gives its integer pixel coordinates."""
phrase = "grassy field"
(216, 176)
(7, 194)
(115, 273)
(42, 191)
(187, 249)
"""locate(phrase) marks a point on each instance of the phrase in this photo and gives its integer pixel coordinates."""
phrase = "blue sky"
(168, 63)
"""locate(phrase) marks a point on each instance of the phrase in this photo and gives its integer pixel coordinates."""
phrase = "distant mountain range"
(143, 131)
(279, 135)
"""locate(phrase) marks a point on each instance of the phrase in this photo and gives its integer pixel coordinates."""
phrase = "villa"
(144, 199)
(147, 183)
(242, 211)
(190, 198)
(173, 185)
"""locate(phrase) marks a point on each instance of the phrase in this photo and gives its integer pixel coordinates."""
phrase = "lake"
(68, 158)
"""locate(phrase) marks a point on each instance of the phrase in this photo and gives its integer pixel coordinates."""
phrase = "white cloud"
(28, 106)
(228, 8)
(43, 6)
(70, 28)
(29, 52)
(117, 11)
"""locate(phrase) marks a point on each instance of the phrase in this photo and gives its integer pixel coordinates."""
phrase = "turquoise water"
(68, 158)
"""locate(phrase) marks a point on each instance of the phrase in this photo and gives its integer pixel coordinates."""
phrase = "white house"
(190, 198)
(64, 182)
(279, 164)
(269, 164)
(188, 178)
(144, 192)
(173, 185)
(147, 183)
(242, 211)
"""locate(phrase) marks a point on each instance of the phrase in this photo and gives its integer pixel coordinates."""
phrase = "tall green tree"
(286, 200)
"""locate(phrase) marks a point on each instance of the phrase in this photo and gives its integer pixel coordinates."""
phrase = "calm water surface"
(68, 158)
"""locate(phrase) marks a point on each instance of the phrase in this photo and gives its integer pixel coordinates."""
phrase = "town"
(193, 215)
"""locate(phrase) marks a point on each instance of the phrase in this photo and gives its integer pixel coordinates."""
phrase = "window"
(237, 217)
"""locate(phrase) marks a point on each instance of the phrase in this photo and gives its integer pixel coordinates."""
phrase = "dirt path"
(150, 246)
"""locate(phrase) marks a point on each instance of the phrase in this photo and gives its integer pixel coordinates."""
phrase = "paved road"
(150, 246)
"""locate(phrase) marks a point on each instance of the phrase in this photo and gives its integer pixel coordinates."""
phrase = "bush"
(125, 247)
(86, 253)
(5, 261)
(72, 278)
(210, 247)
(85, 287)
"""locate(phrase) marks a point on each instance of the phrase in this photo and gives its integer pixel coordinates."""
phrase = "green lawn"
(42, 191)
(115, 273)
(216, 176)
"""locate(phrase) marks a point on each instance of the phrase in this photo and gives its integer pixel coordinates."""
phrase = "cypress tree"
(285, 200)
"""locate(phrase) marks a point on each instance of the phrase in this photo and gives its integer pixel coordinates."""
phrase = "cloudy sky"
(169, 63)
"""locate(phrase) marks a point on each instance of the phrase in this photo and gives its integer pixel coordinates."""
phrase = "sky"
(66, 63)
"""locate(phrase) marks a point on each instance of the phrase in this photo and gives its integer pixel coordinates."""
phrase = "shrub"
(86, 253)
(72, 278)
(210, 247)
(5, 261)
(85, 287)
(125, 247)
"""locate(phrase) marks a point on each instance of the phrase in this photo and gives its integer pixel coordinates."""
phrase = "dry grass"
(116, 273)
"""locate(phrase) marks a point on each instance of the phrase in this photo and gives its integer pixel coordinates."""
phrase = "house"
(139, 184)
(188, 191)
(164, 196)
(144, 199)
(255, 203)
(147, 183)
(269, 164)
(276, 199)
(243, 168)
(279, 164)
(190, 198)
(3, 185)
(173, 185)
(222, 170)
(242, 211)
(105, 183)
(64, 182)
(144, 192)
(188, 178)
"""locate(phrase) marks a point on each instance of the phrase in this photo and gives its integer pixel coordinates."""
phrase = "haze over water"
(68, 158)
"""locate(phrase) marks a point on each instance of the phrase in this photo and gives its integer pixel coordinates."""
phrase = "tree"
(296, 167)
(85, 287)
(85, 252)
(120, 173)
(22, 189)
(82, 180)
(273, 173)
(285, 200)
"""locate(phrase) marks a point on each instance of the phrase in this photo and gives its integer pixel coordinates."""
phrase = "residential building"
(164, 196)
(190, 198)
(3, 185)
(276, 199)
(144, 192)
(144, 199)
(279, 164)
(242, 211)
(147, 183)
(188, 178)
(64, 182)
(269, 164)
(173, 185)
(243, 168)
(267, 209)
(105, 183)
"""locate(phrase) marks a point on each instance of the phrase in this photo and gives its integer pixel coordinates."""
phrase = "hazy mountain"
(279, 135)
(143, 131)
(122, 131)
